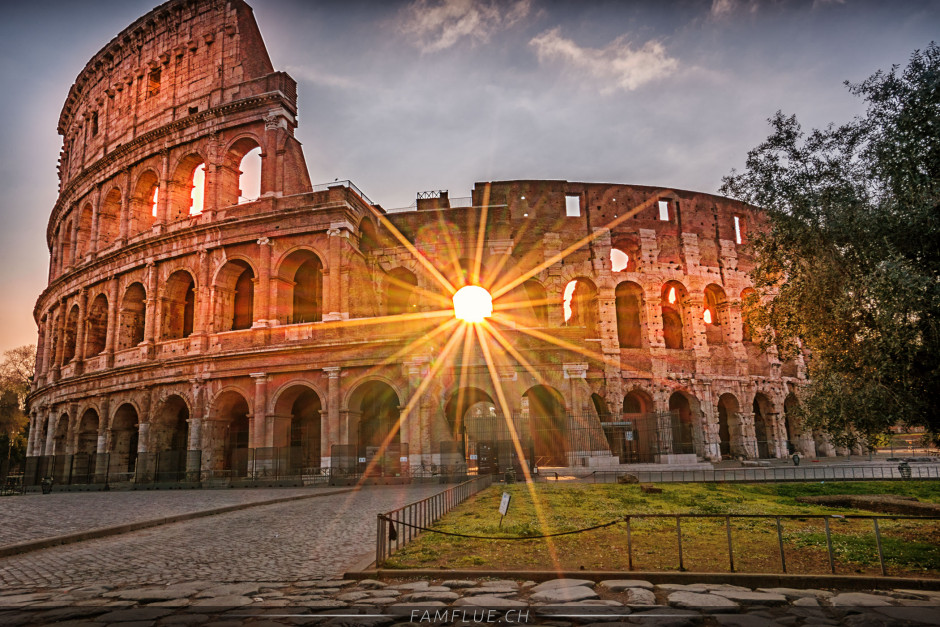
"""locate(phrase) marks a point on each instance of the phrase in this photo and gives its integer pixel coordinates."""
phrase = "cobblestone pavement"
(556, 603)
(281, 542)
(34, 516)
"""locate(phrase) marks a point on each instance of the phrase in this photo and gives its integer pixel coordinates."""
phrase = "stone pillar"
(203, 296)
(95, 210)
(163, 199)
(269, 157)
(262, 309)
(747, 444)
(125, 214)
(76, 218)
(80, 331)
(256, 438)
(51, 426)
(150, 315)
(337, 232)
(330, 429)
(60, 339)
(113, 322)
(196, 419)
(31, 440)
(102, 459)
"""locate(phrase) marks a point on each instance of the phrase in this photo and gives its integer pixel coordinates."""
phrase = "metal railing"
(778, 519)
(347, 183)
(839, 472)
(390, 538)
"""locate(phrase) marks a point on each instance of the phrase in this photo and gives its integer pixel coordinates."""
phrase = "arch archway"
(132, 316)
(713, 315)
(169, 438)
(477, 431)
(302, 435)
(302, 301)
(730, 433)
(580, 305)
(125, 433)
(401, 292)
(239, 179)
(143, 209)
(629, 305)
(674, 301)
(187, 189)
(677, 433)
(84, 233)
(71, 335)
(86, 447)
(635, 439)
(378, 432)
(548, 425)
(228, 448)
(179, 305)
(235, 296)
(96, 331)
(763, 426)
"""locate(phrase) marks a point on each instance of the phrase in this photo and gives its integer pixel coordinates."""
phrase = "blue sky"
(408, 96)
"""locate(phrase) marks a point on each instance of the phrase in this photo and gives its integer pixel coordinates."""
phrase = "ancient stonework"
(294, 325)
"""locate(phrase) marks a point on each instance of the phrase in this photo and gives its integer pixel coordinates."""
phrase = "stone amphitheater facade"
(309, 318)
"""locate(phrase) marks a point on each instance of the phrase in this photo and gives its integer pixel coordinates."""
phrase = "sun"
(473, 303)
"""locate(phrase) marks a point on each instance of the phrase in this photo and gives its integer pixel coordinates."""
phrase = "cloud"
(439, 24)
(311, 74)
(619, 65)
(725, 8)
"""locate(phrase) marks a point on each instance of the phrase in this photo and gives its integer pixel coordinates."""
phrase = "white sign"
(362, 460)
(403, 459)
(504, 504)
(473, 456)
(629, 436)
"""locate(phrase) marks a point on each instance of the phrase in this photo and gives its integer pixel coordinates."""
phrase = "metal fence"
(778, 528)
(397, 528)
(837, 472)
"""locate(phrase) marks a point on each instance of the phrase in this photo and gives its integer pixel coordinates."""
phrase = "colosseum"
(212, 315)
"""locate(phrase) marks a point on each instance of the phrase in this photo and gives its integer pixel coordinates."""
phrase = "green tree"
(849, 269)
(16, 377)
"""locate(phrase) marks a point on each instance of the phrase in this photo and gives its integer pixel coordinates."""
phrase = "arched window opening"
(673, 305)
(230, 452)
(71, 333)
(65, 245)
(401, 292)
(538, 301)
(124, 439)
(580, 305)
(109, 218)
(169, 438)
(763, 419)
(730, 434)
(84, 232)
(179, 305)
(619, 260)
(86, 447)
(144, 202)
(714, 329)
(244, 300)
(96, 332)
(377, 432)
(548, 422)
(61, 437)
(305, 432)
(308, 291)
(187, 190)
(132, 317)
(680, 425)
(629, 303)
(249, 177)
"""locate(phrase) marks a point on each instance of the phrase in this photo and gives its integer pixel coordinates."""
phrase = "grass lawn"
(910, 547)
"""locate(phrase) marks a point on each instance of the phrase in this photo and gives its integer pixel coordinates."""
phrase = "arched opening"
(109, 218)
(479, 436)
(791, 421)
(169, 438)
(144, 202)
(235, 296)
(629, 303)
(624, 254)
(132, 317)
(61, 437)
(400, 293)
(378, 430)
(65, 245)
(580, 305)
(84, 232)
(714, 327)
(678, 432)
(619, 260)
(548, 425)
(302, 436)
(187, 190)
(229, 450)
(538, 301)
(86, 447)
(125, 431)
(71, 333)
(763, 419)
(239, 179)
(179, 305)
(96, 331)
(368, 237)
(673, 303)
(730, 435)
(634, 439)
(302, 271)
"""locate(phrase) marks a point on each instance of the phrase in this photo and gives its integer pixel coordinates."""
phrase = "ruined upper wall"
(183, 57)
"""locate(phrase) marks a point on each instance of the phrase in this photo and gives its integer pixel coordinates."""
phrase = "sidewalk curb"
(751, 580)
(103, 532)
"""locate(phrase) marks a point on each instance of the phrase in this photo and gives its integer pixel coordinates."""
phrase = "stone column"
(269, 157)
(125, 214)
(113, 322)
(333, 308)
(31, 440)
(330, 430)
(95, 210)
(60, 339)
(150, 315)
(256, 437)
(76, 218)
(196, 419)
(102, 458)
(80, 331)
(262, 309)
(199, 341)
(163, 199)
(51, 426)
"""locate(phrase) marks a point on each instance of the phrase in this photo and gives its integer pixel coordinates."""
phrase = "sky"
(414, 95)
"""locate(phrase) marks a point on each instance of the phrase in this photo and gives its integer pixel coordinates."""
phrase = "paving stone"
(324, 604)
(806, 602)
(563, 594)
(489, 602)
(414, 585)
(793, 593)
(380, 601)
(66, 613)
(681, 587)
(707, 602)
(15, 600)
(227, 601)
(385, 592)
(459, 583)
(858, 599)
(479, 591)
(639, 596)
(927, 594)
(353, 596)
(431, 595)
(926, 615)
(752, 598)
(231, 589)
(553, 584)
(135, 614)
(711, 587)
(144, 594)
(616, 585)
